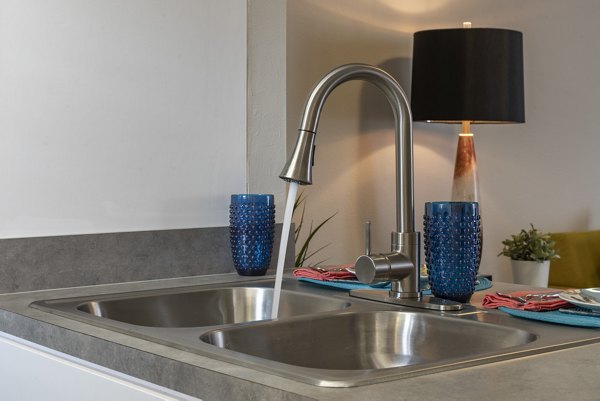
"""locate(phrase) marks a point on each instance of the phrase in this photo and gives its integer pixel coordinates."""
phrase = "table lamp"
(467, 76)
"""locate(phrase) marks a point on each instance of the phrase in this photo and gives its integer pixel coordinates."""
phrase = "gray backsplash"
(28, 264)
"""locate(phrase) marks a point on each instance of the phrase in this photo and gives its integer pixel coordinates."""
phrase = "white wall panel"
(120, 115)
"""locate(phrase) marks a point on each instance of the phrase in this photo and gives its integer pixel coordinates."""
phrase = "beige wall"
(544, 171)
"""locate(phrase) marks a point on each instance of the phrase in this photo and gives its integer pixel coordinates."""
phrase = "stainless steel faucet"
(401, 266)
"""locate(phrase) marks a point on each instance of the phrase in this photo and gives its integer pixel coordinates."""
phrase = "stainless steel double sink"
(322, 337)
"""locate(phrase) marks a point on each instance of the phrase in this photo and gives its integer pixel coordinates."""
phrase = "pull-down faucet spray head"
(299, 166)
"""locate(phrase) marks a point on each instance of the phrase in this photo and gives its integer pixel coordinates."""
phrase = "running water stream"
(285, 232)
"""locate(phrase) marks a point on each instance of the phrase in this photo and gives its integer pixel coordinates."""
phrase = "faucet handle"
(368, 237)
(371, 269)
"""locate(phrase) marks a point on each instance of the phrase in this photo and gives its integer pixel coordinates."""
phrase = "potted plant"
(530, 253)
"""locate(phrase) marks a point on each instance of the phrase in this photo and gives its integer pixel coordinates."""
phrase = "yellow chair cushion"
(579, 263)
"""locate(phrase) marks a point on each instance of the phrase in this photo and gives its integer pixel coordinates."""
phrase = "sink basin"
(322, 337)
(349, 347)
(208, 307)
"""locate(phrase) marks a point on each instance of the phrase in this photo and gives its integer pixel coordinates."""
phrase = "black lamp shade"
(468, 74)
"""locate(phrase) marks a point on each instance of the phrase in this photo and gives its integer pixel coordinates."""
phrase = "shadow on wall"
(434, 150)
(392, 15)
(376, 116)
(434, 144)
(375, 112)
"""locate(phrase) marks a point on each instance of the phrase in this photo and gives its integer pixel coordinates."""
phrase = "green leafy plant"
(531, 245)
(305, 253)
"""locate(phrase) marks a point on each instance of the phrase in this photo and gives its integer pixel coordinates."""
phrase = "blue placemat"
(483, 284)
(555, 317)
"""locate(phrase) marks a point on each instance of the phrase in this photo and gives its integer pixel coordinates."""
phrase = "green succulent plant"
(531, 245)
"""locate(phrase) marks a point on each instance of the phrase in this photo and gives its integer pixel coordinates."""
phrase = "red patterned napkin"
(326, 273)
(493, 301)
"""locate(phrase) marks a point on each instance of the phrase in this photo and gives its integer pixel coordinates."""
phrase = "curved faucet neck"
(403, 127)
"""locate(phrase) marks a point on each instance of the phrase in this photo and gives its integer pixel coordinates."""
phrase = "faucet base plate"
(425, 302)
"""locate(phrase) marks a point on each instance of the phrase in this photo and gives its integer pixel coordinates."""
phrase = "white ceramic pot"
(530, 273)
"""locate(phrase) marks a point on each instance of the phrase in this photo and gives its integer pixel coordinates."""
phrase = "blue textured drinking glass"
(252, 229)
(452, 244)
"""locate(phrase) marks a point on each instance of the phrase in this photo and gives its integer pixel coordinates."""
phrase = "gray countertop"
(564, 374)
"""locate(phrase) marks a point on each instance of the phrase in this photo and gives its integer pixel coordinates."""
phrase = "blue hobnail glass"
(252, 229)
(452, 244)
